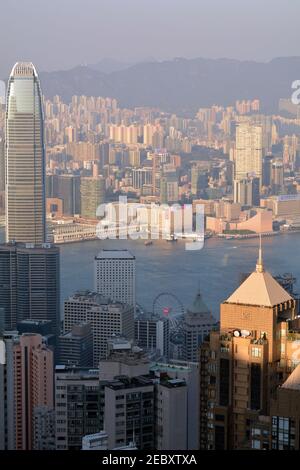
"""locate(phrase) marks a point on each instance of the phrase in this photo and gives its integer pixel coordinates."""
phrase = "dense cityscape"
(105, 373)
(149, 302)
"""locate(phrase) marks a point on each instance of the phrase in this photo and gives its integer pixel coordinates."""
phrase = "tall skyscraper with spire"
(243, 364)
(25, 157)
(29, 267)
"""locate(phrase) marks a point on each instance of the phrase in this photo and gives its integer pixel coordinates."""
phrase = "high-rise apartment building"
(32, 385)
(92, 195)
(44, 428)
(114, 275)
(267, 169)
(81, 151)
(249, 151)
(141, 176)
(7, 412)
(169, 191)
(129, 412)
(199, 180)
(133, 395)
(77, 406)
(187, 372)
(277, 177)
(66, 188)
(25, 157)
(171, 415)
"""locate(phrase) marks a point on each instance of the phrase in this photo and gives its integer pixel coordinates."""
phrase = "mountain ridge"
(181, 85)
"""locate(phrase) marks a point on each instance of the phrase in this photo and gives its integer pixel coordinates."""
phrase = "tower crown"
(260, 288)
(23, 69)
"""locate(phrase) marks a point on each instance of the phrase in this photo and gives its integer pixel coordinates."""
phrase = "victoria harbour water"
(168, 267)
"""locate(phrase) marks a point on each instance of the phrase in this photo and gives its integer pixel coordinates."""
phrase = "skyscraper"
(115, 275)
(29, 283)
(246, 191)
(76, 346)
(107, 318)
(199, 180)
(7, 416)
(92, 195)
(197, 324)
(242, 365)
(26, 383)
(152, 333)
(2, 166)
(25, 157)
(77, 406)
(267, 169)
(277, 177)
(249, 148)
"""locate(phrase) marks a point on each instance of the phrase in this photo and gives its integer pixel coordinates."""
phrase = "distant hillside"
(181, 85)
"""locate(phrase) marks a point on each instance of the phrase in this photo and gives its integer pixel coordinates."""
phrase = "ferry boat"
(171, 238)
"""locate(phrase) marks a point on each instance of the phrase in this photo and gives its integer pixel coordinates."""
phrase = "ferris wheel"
(168, 305)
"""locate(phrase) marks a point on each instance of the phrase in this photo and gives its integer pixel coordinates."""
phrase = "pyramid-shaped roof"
(293, 381)
(260, 288)
(198, 306)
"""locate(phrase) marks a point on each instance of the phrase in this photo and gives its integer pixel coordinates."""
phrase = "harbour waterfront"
(168, 267)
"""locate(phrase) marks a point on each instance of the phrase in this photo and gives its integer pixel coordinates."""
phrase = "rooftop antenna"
(260, 264)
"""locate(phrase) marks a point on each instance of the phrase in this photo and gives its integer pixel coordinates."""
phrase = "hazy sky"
(62, 33)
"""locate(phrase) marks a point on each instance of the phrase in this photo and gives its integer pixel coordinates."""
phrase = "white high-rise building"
(114, 275)
(25, 157)
(249, 151)
(106, 318)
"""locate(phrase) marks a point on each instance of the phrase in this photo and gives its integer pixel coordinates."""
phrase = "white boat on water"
(171, 238)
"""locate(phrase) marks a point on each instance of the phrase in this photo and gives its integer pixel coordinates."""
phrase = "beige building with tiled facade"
(243, 364)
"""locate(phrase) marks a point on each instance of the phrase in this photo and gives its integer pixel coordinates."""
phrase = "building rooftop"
(12, 245)
(293, 381)
(260, 289)
(180, 366)
(124, 382)
(114, 254)
(173, 383)
(24, 70)
(151, 317)
(76, 373)
(94, 298)
(198, 306)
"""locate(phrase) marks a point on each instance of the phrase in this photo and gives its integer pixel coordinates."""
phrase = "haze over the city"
(64, 33)
(149, 230)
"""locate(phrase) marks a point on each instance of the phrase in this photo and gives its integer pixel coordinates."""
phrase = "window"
(255, 386)
(219, 417)
(224, 382)
(282, 433)
(256, 352)
(255, 444)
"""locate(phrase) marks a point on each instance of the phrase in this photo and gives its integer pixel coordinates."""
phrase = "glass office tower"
(25, 157)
